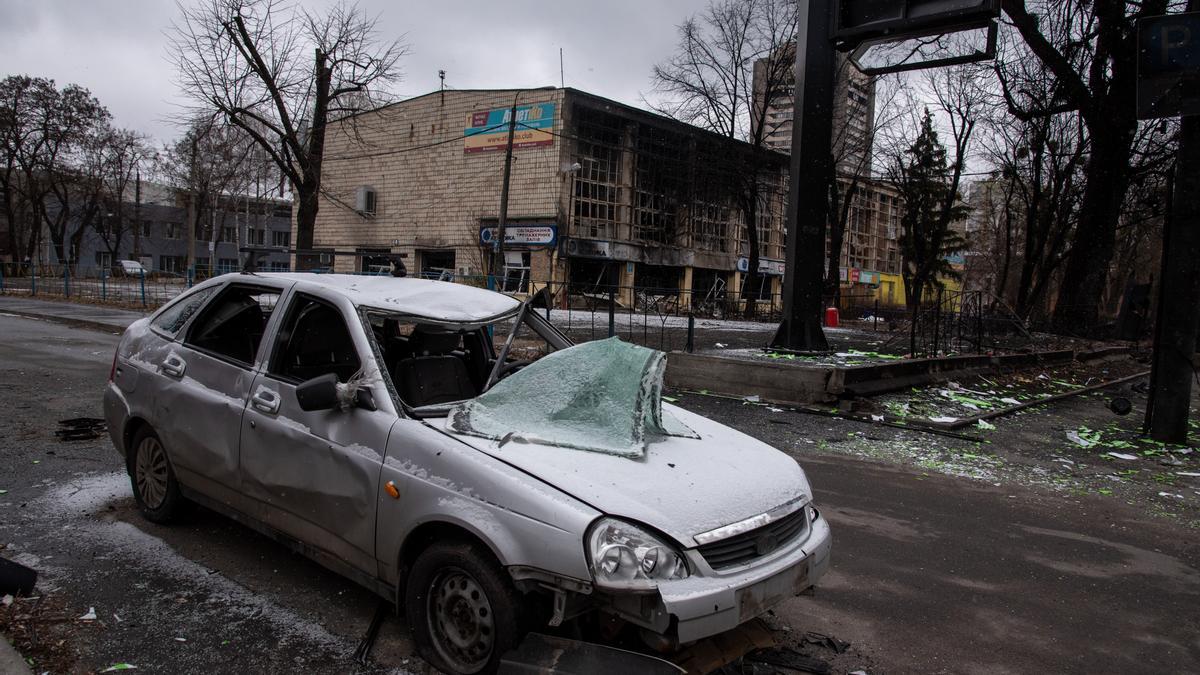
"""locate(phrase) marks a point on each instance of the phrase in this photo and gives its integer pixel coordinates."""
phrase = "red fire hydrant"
(831, 317)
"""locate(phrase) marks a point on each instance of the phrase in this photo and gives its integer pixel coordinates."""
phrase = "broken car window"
(604, 396)
(433, 365)
(173, 318)
(314, 341)
(232, 325)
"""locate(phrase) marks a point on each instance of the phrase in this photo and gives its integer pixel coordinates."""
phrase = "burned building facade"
(602, 195)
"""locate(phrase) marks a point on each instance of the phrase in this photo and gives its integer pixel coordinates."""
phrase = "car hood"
(681, 486)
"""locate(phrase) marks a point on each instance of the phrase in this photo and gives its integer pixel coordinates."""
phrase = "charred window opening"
(643, 183)
(595, 194)
(661, 185)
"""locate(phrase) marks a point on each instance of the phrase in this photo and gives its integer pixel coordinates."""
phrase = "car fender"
(437, 479)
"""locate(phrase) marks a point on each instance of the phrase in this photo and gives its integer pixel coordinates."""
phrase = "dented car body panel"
(357, 486)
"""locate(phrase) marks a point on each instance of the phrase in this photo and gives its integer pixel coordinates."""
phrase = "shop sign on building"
(857, 275)
(487, 130)
(521, 235)
(765, 266)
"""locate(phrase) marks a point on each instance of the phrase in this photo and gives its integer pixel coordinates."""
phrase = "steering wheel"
(510, 367)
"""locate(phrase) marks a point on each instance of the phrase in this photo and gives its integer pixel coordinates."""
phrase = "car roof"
(434, 300)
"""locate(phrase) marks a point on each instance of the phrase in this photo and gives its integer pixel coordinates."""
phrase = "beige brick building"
(601, 194)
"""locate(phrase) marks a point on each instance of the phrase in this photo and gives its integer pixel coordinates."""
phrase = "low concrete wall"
(776, 382)
(791, 383)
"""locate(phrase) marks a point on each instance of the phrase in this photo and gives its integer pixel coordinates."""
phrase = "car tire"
(154, 486)
(462, 609)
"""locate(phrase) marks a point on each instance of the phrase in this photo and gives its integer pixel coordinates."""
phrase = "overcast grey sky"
(116, 48)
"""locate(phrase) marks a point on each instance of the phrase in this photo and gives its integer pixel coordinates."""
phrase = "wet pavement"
(931, 572)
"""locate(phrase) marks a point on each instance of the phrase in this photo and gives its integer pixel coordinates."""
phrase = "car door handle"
(174, 366)
(265, 400)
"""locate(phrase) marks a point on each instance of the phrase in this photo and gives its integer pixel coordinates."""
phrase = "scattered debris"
(985, 425)
(838, 646)
(119, 666)
(1120, 405)
(1084, 437)
(16, 579)
(363, 651)
(791, 659)
(80, 429)
(1121, 455)
(90, 616)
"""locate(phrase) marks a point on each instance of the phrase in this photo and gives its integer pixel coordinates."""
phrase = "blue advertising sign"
(487, 130)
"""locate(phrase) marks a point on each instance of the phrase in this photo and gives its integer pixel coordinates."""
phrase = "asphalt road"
(930, 573)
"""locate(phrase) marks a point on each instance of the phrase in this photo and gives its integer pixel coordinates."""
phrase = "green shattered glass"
(604, 396)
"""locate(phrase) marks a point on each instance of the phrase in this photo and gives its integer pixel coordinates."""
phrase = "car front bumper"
(708, 603)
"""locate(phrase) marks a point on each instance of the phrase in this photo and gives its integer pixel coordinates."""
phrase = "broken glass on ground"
(604, 396)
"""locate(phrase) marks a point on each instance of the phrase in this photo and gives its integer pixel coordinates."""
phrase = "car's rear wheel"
(462, 609)
(154, 486)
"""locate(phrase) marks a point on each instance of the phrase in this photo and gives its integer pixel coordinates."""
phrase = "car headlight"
(627, 557)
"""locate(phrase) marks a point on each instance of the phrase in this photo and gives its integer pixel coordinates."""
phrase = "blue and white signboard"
(537, 234)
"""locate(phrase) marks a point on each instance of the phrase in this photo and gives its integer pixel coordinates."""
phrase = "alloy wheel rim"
(460, 620)
(150, 472)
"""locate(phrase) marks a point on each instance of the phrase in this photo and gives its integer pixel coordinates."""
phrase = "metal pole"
(103, 284)
(498, 263)
(67, 280)
(612, 308)
(691, 334)
(143, 287)
(1175, 339)
(811, 173)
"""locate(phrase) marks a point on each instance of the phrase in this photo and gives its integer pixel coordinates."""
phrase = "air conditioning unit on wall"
(365, 200)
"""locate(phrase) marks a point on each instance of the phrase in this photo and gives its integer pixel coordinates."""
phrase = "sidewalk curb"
(76, 323)
(11, 661)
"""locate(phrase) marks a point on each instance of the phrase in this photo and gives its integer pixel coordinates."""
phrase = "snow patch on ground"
(77, 503)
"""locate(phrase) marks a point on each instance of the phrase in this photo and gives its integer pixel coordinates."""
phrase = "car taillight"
(112, 372)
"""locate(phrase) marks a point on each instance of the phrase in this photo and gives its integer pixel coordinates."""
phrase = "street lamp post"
(502, 221)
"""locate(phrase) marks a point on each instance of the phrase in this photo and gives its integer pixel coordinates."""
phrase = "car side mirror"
(319, 393)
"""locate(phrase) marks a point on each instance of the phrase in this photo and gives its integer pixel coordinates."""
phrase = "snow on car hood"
(680, 486)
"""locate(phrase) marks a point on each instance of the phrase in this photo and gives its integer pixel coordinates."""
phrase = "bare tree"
(211, 165)
(732, 66)
(1090, 49)
(282, 74)
(117, 157)
(46, 134)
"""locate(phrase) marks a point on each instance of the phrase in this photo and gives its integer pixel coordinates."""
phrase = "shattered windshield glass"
(603, 396)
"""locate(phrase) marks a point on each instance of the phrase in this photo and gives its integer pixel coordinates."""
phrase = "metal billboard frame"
(905, 26)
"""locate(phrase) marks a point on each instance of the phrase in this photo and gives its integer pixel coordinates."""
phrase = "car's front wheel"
(462, 609)
(154, 486)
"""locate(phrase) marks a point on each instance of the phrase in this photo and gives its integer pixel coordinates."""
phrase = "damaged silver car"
(449, 448)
